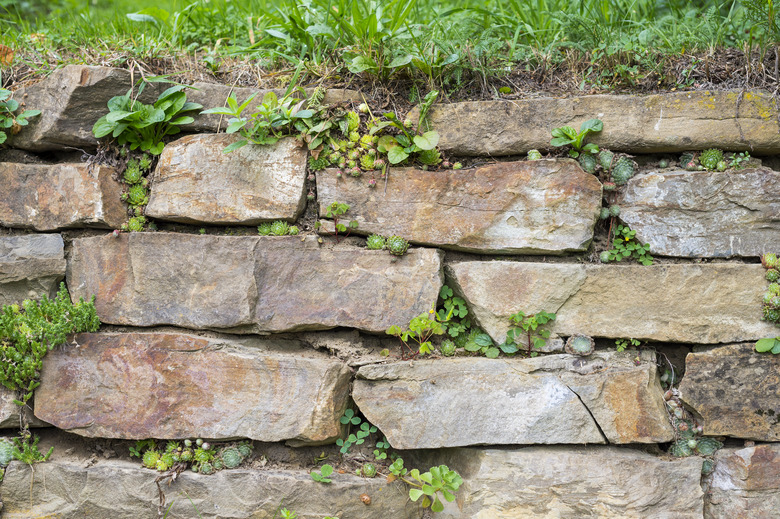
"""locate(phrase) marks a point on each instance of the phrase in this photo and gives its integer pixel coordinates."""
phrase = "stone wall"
(222, 334)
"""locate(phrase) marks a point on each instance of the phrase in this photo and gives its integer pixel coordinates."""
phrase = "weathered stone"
(704, 304)
(734, 390)
(550, 399)
(745, 483)
(571, 483)
(47, 198)
(30, 265)
(195, 182)
(181, 386)
(250, 284)
(10, 412)
(539, 207)
(124, 490)
(703, 213)
(659, 123)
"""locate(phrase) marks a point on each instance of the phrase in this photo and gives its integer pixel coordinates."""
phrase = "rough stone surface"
(47, 198)
(181, 386)
(124, 490)
(30, 265)
(701, 304)
(734, 390)
(703, 213)
(195, 182)
(550, 399)
(9, 412)
(659, 123)
(572, 483)
(745, 483)
(539, 207)
(250, 284)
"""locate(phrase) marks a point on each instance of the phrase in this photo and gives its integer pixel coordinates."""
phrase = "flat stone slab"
(195, 182)
(745, 483)
(572, 483)
(250, 284)
(659, 123)
(734, 390)
(547, 400)
(30, 265)
(699, 304)
(704, 213)
(177, 386)
(124, 490)
(48, 198)
(528, 207)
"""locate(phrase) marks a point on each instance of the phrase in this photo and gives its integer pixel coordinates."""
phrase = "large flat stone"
(734, 390)
(659, 123)
(538, 207)
(168, 385)
(547, 400)
(47, 198)
(572, 483)
(745, 483)
(195, 182)
(30, 265)
(250, 284)
(704, 304)
(124, 490)
(704, 213)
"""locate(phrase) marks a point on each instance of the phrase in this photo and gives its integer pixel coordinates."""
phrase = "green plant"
(623, 170)
(622, 344)
(322, 476)
(287, 514)
(420, 331)
(380, 453)
(580, 345)
(695, 445)
(534, 155)
(771, 344)
(29, 332)
(145, 126)
(739, 160)
(627, 246)
(9, 121)
(710, 158)
(6, 452)
(453, 314)
(365, 429)
(368, 470)
(280, 228)
(566, 135)
(439, 482)
(480, 342)
(375, 242)
(588, 162)
(397, 246)
(528, 331)
(409, 142)
(335, 211)
(25, 449)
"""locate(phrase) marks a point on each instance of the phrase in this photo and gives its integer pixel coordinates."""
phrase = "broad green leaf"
(415, 494)
(12, 105)
(232, 103)
(764, 345)
(4, 94)
(472, 346)
(591, 125)
(385, 143)
(483, 340)
(361, 64)
(30, 113)
(401, 61)
(3, 137)
(394, 330)
(428, 140)
(561, 141)
(492, 353)
(776, 348)
(157, 148)
(234, 146)
(220, 111)
(102, 127)
(437, 506)
(185, 119)
(121, 127)
(396, 155)
(326, 470)
(509, 348)
(190, 106)
(113, 117)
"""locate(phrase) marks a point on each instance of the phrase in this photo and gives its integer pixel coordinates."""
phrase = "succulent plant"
(707, 446)
(609, 186)
(722, 165)
(206, 468)
(772, 275)
(319, 163)
(606, 158)
(710, 158)
(145, 162)
(614, 210)
(202, 455)
(161, 465)
(293, 230)
(368, 470)
(354, 137)
(397, 246)
(133, 173)
(137, 195)
(430, 157)
(774, 302)
(186, 455)
(534, 155)
(218, 464)
(707, 467)
(353, 121)
(663, 163)
(135, 224)
(150, 459)
(375, 242)
(231, 457)
(623, 170)
(457, 165)
(279, 228)
(379, 164)
(168, 459)
(367, 162)
(688, 160)
(6, 452)
(447, 348)
(769, 261)
(367, 142)
(682, 448)
(604, 213)
(588, 162)
(245, 449)
(771, 315)
(264, 229)
(774, 289)
(604, 257)
(581, 345)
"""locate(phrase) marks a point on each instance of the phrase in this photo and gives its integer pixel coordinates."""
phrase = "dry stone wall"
(223, 334)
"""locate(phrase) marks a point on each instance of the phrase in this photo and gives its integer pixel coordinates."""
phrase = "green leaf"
(3, 137)
(492, 353)
(509, 348)
(400, 61)
(561, 141)
(428, 140)
(235, 125)
(415, 494)
(185, 119)
(326, 470)
(234, 146)
(591, 125)
(102, 127)
(764, 345)
(776, 348)
(396, 155)
(113, 117)
(220, 111)
(483, 340)
(361, 64)
(437, 505)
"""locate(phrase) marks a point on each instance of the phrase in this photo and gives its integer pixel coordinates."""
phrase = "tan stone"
(550, 399)
(704, 213)
(659, 123)
(169, 385)
(745, 483)
(704, 304)
(119, 489)
(31, 265)
(734, 390)
(195, 182)
(251, 284)
(539, 207)
(47, 198)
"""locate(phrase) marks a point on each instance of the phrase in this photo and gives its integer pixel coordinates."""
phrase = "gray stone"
(10, 413)
(745, 483)
(659, 123)
(48, 198)
(250, 284)
(704, 213)
(195, 182)
(31, 265)
(734, 391)
(543, 400)
(572, 483)
(124, 490)
(539, 207)
(700, 304)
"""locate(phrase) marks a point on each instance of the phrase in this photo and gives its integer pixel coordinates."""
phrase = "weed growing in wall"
(10, 121)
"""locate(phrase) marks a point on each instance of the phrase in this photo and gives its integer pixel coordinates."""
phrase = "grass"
(464, 48)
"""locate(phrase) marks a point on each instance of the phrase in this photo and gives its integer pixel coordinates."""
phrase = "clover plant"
(528, 331)
(625, 245)
(420, 331)
(322, 476)
(8, 119)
